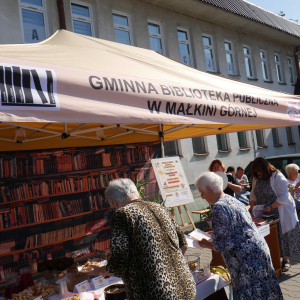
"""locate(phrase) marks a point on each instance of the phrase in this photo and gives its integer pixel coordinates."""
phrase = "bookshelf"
(52, 202)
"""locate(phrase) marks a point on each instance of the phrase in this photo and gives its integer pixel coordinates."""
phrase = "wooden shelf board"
(61, 241)
(61, 174)
(54, 220)
(50, 196)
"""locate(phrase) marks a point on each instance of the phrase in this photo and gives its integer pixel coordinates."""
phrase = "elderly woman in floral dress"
(236, 237)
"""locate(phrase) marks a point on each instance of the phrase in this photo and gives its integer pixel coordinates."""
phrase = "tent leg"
(161, 141)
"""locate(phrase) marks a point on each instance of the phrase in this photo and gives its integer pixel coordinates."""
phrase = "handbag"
(292, 191)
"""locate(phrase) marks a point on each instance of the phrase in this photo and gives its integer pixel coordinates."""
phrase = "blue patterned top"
(245, 252)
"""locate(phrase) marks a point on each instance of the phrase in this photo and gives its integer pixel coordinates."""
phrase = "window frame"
(205, 146)
(278, 137)
(233, 57)
(124, 28)
(187, 43)
(251, 60)
(158, 36)
(34, 8)
(265, 60)
(291, 68)
(227, 142)
(178, 149)
(246, 140)
(81, 18)
(211, 47)
(280, 67)
(263, 138)
(290, 140)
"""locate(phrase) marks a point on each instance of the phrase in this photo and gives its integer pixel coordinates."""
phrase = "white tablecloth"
(211, 285)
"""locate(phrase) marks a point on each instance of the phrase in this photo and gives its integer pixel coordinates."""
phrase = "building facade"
(242, 42)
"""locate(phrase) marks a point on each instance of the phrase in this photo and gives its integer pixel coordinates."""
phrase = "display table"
(272, 241)
(206, 287)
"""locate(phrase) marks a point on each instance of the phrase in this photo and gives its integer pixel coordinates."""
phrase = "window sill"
(262, 147)
(282, 83)
(201, 154)
(293, 84)
(253, 79)
(268, 81)
(213, 72)
(234, 75)
(245, 149)
(224, 151)
(291, 144)
(279, 145)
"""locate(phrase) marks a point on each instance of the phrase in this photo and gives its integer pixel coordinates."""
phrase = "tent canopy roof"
(104, 93)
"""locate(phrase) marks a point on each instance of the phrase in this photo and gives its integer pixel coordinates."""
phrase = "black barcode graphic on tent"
(21, 87)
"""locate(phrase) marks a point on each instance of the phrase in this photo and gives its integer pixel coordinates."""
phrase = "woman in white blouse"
(270, 188)
(294, 179)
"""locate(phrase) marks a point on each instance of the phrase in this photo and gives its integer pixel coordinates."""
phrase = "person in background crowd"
(236, 237)
(270, 188)
(294, 179)
(231, 170)
(242, 180)
(147, 247)
(232, 187)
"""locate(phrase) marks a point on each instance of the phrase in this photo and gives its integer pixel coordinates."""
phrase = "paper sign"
(172, 182)
(83, 286)
(98, 282)
(198, 235)
(39, 298)
(264, 230)
(192, 243)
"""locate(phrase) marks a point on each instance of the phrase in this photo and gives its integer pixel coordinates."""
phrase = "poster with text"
(172, 181)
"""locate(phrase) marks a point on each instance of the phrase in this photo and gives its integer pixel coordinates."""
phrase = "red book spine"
(13, 221)
(23, 215)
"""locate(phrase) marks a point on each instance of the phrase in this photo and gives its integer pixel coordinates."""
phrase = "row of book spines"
(26, 191)
(35, 213)
(63, 163)
(102, 244)
(55, 236)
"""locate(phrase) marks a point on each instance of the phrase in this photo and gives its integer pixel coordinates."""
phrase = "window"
(243, 140)
(278, 68)
(155, 36)
(209, 53)
(199, 145)
(289, 135)
(33, 20)
(184, 46)
(291, 69)
(222, 142)
(264, 65)
(260, 138)
(248, 62)
(122, 28)
(229, 57)
(82, 18)
(171, 148)
(275, 135)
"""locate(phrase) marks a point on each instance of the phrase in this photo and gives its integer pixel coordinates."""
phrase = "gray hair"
(214, 181)
(290, 168)
(121, 190)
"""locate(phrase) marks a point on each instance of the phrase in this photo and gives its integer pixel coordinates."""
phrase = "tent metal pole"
(92, 129)
(41, 138)
(31, 128)
(30, 135)
(77, 127)
(161, 140)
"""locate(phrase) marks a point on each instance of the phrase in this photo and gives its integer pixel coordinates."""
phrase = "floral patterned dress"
(289, 242)
(245, 252)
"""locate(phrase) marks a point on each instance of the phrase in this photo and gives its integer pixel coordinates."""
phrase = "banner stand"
(181, 216)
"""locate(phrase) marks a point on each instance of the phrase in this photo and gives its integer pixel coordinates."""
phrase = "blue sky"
(291, 8)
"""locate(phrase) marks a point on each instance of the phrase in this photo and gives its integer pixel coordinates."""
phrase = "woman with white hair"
(236, 237)
(294, 179)
(147, 247)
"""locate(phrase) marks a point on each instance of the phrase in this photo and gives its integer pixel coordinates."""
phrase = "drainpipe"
(61, 13)
(297, 86)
